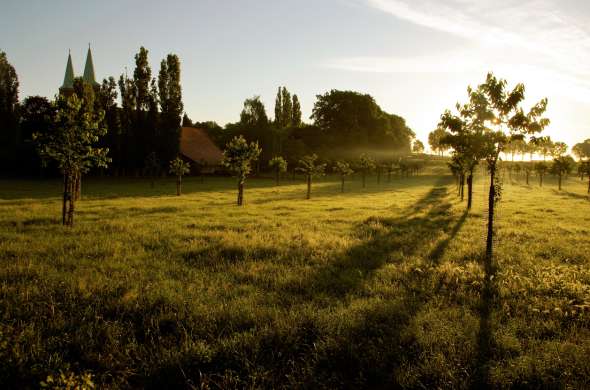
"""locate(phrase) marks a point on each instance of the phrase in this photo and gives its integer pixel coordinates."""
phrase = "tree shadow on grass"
(573, 195)
(387, 240)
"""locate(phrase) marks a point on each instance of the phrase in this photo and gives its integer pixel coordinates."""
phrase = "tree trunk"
(559, 182)
(469, 190)
(72, 200)
(491, 204)
(178, 185)
(378, 177)
(589, 184)
(277, 177)
(541, 180)
(389, 176)
(462, 190)
(527, 178)
(78, 186)
(364, 184)
(308, 187)
(240, 193)
(342, 185)
(65, 198)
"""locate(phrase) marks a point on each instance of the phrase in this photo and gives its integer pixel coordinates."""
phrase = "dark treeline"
(143, 115)
(344, 125)
(144, 123)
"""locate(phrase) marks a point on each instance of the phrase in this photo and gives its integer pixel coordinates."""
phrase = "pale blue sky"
(415, 57)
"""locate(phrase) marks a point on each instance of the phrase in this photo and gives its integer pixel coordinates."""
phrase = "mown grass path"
(372, 288)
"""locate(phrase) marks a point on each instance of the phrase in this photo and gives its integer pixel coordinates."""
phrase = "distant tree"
(418, 147)
(186, 121)
(366, 165)
(278, 165)
(582, 150)
(310, 167)
(36, 115)
(562, 166)
(541, 168)
(287, 114)
(170, 99)
(527, 168)
(179, 168)
(434, 140)
(238, 157)
(544, 145)
(279, 120)
(345, 119)
(71, 144)
(343, 169)
(9, 136)
(391, 168)
(559, 149)
(296, 118)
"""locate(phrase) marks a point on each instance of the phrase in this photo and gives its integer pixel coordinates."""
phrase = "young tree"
(501, 109)
(562, 166)
(343, 169)
(541, 169)
(527, 168)
(71, 145)
(179, 168)
(544, 145)
(418, 147)
(238, 157)
(366, 165)
(279, 165)
(559, 149)
(309, 166)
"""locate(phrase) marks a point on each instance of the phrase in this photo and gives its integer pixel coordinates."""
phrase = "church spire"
(69, 76)
(89, 69)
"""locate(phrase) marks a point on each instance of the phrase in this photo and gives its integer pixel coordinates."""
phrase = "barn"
(198, 148)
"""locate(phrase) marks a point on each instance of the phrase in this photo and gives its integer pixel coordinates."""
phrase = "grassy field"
(376, 288)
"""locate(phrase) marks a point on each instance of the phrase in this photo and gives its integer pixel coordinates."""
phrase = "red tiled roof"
(196, 145)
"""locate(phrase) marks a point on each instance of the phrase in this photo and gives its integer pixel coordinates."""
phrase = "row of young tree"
(145, 123)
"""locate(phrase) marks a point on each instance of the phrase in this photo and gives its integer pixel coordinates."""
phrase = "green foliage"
(342, 168)
(582, 150)
(310, 166)
(418, 147)
(559, 149)
(296, 118)
(562, 165)
(366, 164)
(178, 167)
(278, 164)
(348, 119)
(72, 142)
(434, 140)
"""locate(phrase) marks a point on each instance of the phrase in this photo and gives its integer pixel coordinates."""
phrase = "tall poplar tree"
(9, 135)
(170, 94)
(296, 113)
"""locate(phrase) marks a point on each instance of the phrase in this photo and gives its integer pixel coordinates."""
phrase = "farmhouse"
(197, 148)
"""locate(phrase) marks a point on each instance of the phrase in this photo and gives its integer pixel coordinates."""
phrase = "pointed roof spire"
(69, 76)
(89, 69)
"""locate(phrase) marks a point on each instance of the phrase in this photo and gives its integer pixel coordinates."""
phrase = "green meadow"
(381, 287)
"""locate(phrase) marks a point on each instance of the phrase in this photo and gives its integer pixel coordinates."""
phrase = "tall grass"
(374, 288)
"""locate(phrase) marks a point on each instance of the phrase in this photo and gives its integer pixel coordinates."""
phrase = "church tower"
(67, 87)
(89, 69)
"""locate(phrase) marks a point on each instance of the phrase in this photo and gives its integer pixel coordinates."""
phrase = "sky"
(415, 57)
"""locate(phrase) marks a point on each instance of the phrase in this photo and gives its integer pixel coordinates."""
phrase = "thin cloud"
(537, 34)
